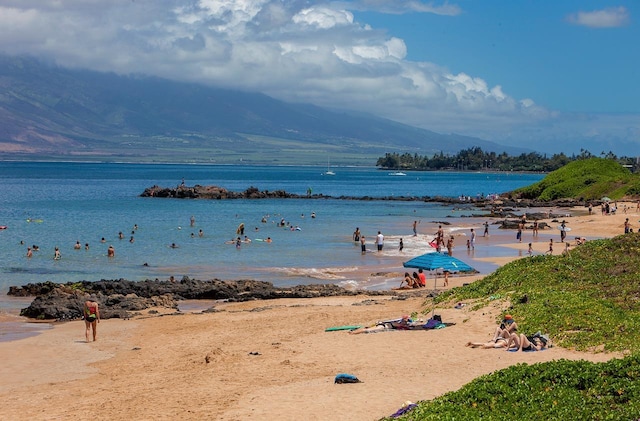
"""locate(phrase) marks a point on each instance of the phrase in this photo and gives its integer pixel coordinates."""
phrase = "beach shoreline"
(272, 359)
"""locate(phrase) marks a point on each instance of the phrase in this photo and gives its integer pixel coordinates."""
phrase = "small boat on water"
(329, 172)
(397, 174)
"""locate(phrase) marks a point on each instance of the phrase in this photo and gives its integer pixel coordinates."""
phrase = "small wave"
(350, 285)
(315, 273)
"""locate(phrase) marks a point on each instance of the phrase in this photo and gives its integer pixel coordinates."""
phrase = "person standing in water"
(472, 240)
(380, 241)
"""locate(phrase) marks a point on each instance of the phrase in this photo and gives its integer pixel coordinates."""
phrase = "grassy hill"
(588, 300)
(588, 179)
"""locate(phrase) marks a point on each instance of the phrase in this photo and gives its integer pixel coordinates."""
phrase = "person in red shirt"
(423, 278)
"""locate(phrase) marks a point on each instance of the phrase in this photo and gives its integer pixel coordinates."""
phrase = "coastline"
(155, 365)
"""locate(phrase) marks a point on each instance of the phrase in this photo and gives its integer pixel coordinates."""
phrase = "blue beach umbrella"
(435, 261)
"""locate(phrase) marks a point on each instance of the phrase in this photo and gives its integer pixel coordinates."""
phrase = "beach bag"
(431, 323)
(346, 378)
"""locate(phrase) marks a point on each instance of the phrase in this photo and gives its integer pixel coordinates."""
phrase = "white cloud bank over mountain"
(297, 50)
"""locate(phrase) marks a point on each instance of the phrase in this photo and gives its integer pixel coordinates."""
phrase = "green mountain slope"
(48, 111)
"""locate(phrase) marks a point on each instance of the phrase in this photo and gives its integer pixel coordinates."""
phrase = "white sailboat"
(329, 172)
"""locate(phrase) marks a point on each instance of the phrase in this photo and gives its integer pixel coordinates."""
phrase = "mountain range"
(48, 112)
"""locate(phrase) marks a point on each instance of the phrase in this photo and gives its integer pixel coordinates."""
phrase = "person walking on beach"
(363, 246)
(550, 251)
(519, 233)
(563, 231)
(530, 250)
(627, 225)
(450, 246)
(486, 229)
(380, 241)
(415, 228)
(91, 314)
(535, 228)
(472, 240)
(401, 245)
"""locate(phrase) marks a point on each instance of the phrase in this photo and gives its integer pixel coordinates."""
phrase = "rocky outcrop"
(504, 206)
(122, 298)
(215, 192)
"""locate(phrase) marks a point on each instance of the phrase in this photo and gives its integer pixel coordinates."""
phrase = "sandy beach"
(271, 359)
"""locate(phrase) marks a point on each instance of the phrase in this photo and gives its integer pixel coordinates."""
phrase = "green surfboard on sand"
(346, 327)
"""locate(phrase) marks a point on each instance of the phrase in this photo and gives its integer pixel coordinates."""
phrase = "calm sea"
(57, 204)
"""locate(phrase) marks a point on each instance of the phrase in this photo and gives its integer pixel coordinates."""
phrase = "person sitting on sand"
(410, 282)
(416, 279)
(521, 342)
(506, 328)
(422, 277)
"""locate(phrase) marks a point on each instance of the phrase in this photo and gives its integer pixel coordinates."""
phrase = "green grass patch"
(558, 390)
(588, 299)
(588, 179)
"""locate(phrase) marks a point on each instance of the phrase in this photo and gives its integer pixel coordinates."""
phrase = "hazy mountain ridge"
(49, 111)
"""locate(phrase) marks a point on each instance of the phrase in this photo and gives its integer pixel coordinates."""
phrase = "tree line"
(475, 159)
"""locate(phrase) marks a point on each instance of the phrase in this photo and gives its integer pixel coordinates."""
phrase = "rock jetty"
(123, 299)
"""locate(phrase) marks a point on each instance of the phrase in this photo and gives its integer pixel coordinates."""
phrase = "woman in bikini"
(522, 342)
(91, 318)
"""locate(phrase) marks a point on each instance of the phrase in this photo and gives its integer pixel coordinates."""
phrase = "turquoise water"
(69, 202)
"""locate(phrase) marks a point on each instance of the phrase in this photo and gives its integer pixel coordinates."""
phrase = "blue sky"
(533, 49)
(553, 76)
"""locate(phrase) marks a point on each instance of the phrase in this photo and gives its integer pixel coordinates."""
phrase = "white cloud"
(323, 17)
(295, 50)
(607, 18)
(403, 6)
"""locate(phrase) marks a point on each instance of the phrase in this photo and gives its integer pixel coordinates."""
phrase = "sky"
(552, 76)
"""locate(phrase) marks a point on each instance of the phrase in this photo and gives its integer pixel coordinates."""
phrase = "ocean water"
(56, 204)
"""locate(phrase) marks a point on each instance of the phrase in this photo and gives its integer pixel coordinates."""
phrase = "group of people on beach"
(358, 237)
(507, 336)
(417, 280)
